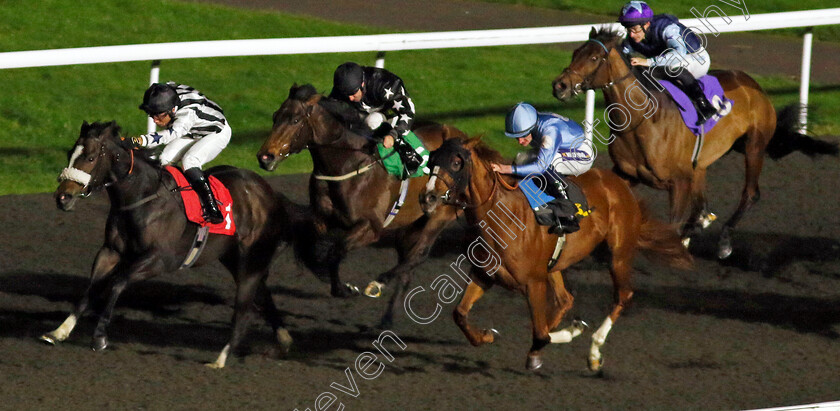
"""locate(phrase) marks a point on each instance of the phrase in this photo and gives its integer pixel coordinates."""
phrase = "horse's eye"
(594, 58)
(457, 163)
(91, 159)
(295, 121)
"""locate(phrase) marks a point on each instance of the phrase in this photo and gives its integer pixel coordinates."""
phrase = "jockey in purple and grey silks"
(562, 148)
(672, 51)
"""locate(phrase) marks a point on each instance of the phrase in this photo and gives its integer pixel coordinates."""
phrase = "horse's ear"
(593, 33)
(114, 128)
(471, 143)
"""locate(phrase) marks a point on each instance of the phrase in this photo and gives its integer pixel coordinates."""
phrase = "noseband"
(89, 185)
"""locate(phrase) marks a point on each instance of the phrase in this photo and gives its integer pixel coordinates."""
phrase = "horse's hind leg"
(269, 311)
(699, 218)
(104, 263)
(754, 161)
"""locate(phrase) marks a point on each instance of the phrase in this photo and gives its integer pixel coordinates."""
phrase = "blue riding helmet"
(635, 12)
(521, 119)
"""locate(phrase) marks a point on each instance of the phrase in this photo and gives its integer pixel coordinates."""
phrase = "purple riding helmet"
(635, 12)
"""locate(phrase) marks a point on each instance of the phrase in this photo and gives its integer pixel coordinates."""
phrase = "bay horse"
(653, 146)
(462, 175)
(348, 188)
(147, 232)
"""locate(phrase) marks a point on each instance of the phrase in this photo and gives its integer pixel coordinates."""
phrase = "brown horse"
(655, 147)
(147, 232)
(349, 189)
(462, 175)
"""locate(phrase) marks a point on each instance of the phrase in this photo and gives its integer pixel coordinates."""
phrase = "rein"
(588, 79)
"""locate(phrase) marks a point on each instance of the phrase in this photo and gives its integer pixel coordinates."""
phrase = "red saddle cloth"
(193, 205)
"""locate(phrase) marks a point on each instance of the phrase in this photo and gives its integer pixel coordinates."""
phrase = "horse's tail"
(661, 242)
(788, 139)
(319, 251)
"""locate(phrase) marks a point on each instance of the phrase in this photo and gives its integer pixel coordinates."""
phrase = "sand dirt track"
(718, 337)
(760, 330)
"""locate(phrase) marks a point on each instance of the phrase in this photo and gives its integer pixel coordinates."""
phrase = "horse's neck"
(504, 215)
(340, 150)
(143, 181)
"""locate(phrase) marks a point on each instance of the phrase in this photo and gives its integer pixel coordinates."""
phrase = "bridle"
(459, 185)
(586, 81)
(87, 180)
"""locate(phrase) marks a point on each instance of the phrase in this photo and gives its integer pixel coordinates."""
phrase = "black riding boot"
(411, 160)
(210, 209)
(705, 110)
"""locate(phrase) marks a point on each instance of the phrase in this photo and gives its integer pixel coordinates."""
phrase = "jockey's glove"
(138, 141)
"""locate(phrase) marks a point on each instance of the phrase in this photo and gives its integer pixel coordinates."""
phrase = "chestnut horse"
(349, 189)
(462, 175)
(147, 232)
(655, 147)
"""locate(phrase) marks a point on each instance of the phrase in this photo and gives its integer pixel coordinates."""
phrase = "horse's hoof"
(580, 324)
(707, 220)
(686, 241)
(347, 290)
(374, 289)
(724, 251)
(214, 366)
(49, 339)
(99, 343)
(491, 335)
(534, 363)
(595, 364)
(285, 340)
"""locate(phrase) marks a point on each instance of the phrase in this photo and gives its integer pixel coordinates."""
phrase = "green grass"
(41, 109)
(682, 9)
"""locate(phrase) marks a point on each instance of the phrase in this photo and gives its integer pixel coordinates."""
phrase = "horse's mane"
(607, 35)
(484, 151)
(340, 110)
(115, 131)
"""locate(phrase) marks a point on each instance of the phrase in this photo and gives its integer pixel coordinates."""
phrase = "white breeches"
(192, 152)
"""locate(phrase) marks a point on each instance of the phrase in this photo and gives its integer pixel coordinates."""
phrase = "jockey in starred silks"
(561, 149)
(672, 51)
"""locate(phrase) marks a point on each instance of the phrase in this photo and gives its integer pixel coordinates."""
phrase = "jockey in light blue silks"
(561, 148)
(672, 51)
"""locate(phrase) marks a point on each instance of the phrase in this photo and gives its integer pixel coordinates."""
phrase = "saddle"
(192, 205)
(714, 93)
(560, 203)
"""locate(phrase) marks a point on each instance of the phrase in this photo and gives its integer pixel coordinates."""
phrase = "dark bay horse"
(462, 175)
(147, 232)
(360, 201)
(654, 146)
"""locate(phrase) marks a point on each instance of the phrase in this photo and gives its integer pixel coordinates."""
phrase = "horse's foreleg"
(138, 271)
(104, 263)
(754, 161)
(620, 272)
(561, 303)
(476, 337)
(412, 247)
(361, 234)
(538, 295)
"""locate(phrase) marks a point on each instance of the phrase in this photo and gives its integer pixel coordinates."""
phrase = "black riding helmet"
(159, 97)
(347, 79)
